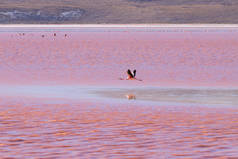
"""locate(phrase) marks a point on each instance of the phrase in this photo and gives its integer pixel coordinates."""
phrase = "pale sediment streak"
(199, 96)
(175, 95)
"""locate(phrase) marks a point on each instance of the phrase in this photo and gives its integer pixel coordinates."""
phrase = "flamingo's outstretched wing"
(134, 72)
(129, 73)
(138, 79)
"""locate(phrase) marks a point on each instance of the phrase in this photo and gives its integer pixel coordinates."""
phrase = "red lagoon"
(61, 96)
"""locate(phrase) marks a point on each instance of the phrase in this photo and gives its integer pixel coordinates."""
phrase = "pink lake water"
(60, 95)
(99, 56)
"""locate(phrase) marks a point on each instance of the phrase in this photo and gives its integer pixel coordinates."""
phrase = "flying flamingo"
(131, 76)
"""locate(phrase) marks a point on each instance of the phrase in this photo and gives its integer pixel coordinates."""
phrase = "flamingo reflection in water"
(130, 96)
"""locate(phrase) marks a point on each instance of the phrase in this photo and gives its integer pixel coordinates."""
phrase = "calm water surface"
(162, 56)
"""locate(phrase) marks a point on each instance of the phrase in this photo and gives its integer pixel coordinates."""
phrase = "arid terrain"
(118, 11)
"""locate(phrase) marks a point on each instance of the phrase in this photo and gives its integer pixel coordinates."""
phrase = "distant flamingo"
(131, 76)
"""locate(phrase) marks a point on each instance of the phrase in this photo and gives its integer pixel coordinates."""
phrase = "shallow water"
(61, 97)
(205, 96)
(161, 95)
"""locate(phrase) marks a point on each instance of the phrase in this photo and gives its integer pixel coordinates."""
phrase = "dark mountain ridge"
(118, 11)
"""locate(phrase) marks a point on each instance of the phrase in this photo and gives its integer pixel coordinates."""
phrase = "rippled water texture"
(60, 96)
(59, 129)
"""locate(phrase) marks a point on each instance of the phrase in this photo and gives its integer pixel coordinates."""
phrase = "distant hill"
(118, 11)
